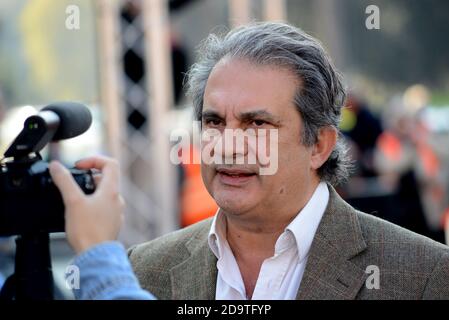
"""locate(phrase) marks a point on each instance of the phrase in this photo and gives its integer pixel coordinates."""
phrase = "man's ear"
(327, 138)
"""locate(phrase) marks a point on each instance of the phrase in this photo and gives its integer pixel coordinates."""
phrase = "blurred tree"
(47, 61)
(410, 47)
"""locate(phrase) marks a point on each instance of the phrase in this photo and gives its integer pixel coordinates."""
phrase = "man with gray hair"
(285, 235)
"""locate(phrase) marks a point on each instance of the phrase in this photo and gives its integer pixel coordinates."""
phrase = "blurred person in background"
(196, 203)
(363, 128)
(392, 196)
(406, 158)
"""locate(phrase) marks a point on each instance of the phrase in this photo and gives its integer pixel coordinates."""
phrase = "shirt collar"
(217, 234)
(303, 226)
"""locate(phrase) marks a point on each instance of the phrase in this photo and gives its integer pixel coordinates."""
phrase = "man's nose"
(232, 144)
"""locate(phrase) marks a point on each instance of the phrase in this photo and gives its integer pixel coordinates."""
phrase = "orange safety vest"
(391, 147)
(196, 202)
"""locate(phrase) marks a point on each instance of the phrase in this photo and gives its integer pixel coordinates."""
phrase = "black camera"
(29, 201)
(30, 204)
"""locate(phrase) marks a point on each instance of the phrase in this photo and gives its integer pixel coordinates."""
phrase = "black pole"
(33, 277)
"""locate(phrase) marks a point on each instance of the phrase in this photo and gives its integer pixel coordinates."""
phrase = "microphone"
(74, 119)
(57, 121)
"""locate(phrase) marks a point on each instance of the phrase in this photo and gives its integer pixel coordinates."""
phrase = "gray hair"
(320, 95)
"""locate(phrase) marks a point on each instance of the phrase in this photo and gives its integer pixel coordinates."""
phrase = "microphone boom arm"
(38, 131)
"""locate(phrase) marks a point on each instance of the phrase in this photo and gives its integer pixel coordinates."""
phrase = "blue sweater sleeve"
(106, 274)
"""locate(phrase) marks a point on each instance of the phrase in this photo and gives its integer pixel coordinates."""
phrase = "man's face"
(241, 95)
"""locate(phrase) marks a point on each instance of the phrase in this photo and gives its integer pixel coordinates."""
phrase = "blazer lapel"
(195, 278)
(329, 273)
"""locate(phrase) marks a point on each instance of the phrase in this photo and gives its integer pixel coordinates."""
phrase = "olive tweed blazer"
(180, 265)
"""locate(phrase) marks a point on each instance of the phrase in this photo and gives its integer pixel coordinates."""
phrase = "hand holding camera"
(90, 219)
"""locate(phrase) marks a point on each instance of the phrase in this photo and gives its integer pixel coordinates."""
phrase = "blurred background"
(126, 60)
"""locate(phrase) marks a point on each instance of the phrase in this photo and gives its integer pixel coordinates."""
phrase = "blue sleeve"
(106, 274)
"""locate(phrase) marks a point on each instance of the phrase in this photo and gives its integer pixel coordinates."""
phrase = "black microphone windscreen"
(75, 119)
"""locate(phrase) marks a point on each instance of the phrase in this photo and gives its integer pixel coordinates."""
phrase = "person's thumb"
(62, 178)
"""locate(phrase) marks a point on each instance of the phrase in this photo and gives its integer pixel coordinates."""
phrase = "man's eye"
(213, 122)
(259, 123)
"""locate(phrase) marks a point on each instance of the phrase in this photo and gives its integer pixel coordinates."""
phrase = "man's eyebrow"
(244, 116)
(259, 114)
(210, 114)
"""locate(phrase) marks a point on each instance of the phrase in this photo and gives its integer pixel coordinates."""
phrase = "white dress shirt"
(280, 275)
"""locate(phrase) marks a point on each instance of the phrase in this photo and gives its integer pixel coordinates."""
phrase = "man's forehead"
(239, 87)
(228, 71)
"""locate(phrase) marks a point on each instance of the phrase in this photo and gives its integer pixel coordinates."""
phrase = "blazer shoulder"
(437, 287)
(410, 265)
(399, 243)
(169, 249)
